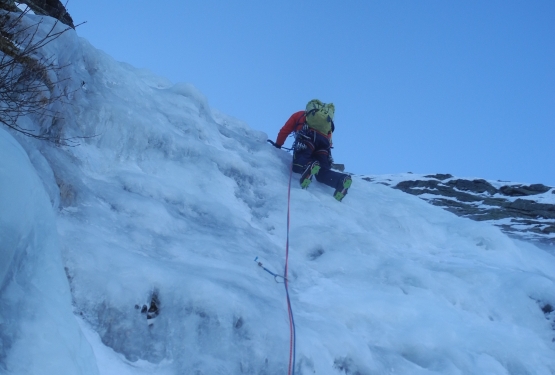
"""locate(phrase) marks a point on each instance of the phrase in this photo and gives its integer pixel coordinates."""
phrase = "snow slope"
(173, 196)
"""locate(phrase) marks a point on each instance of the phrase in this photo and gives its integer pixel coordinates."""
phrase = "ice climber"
(313, 130)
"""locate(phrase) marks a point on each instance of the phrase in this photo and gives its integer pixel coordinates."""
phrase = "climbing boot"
(342, 189)
(312, 169)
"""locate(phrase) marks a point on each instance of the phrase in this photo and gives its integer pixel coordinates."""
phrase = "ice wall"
(38, 331)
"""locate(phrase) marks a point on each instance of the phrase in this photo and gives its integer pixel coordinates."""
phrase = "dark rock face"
(440, 176)
(520, 191)
(52, 8)
(517, 209)
(474, 186)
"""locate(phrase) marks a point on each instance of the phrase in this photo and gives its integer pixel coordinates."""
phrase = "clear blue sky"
(460, 87)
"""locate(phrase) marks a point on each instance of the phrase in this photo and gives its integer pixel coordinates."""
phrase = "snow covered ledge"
(38, 331)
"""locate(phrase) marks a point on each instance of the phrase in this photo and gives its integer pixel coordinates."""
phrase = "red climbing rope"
(292, 342)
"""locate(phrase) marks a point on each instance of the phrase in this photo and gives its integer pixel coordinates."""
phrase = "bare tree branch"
(29, 83)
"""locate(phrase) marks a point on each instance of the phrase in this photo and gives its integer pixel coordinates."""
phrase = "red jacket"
(295, 123)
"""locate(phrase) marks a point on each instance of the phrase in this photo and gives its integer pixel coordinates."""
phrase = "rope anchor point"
(275, 275)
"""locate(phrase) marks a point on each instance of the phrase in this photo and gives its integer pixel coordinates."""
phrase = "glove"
(274, 144)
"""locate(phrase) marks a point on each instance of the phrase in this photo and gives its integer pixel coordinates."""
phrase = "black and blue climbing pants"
(313, 146)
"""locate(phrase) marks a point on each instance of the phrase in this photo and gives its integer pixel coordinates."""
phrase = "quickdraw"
(275, 275)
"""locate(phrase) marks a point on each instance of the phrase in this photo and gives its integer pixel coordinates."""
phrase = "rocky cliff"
(523, 211)
(52, 8)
